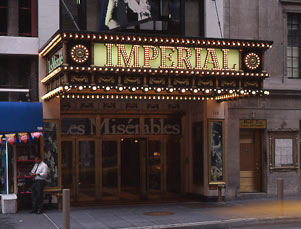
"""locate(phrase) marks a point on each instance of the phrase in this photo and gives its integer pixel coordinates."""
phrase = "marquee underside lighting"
(133, 96)
(153, 94)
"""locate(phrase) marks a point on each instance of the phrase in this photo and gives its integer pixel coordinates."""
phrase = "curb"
(228, 223)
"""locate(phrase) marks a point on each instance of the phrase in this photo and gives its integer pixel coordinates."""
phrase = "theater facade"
(136, 117)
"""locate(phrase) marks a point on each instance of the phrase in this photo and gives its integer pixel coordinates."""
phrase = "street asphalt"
(243, 213)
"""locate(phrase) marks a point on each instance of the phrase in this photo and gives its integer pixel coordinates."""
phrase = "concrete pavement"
(167, 215)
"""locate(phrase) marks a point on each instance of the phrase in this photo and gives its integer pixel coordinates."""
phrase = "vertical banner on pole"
(6, 169)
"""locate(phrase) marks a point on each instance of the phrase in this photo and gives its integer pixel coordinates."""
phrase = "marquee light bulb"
(195, 90)
(80, 88)
(146, 89)
(171, 89)
(207, 91)
(94, 88)
(266, 92)
(120, 88)
(107, 88)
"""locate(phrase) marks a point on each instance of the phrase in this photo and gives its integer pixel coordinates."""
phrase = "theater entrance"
(122, 169)
(140, 168)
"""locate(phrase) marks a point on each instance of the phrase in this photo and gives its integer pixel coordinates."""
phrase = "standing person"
(39, 173)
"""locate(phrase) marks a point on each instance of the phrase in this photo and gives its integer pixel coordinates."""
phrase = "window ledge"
(290, 1)
(284, 169)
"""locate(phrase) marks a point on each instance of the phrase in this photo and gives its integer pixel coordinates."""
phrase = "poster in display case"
(51, 151)
(216, 152)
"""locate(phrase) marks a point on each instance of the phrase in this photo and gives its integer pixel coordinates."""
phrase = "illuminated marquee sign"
(55, 61)
(165, 57)
(120, 66)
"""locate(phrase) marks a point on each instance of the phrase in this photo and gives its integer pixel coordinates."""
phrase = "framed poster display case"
(283, 150)
(216, 149)
(52, 153)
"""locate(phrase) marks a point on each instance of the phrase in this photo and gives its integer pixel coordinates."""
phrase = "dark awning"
(21, 117)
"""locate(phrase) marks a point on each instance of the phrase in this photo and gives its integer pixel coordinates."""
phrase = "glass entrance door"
(133, 151)
(173, 165)
(154, 166)
(78, 169)
(139, 168)
(68, 167)
(86, 170)
(110, 169)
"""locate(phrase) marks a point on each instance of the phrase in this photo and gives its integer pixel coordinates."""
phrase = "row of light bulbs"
(156, 97)
(169, 40)
(230, 72)
(231, 93)
(221, 73)
(160, 89)
(140, 97)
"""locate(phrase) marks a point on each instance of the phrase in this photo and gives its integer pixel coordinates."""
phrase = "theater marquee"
(116, 66)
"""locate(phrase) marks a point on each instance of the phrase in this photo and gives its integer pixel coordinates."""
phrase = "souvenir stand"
(20, 131)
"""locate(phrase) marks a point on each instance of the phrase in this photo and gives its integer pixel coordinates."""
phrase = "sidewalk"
(171, 215)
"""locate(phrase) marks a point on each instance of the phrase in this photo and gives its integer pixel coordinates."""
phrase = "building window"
(18, 72)
(293, 45)
(135, 16)
(27, 18)
(18, 18)
(3, 17)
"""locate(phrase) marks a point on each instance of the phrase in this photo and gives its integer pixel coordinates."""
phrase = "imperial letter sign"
(165, 57)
